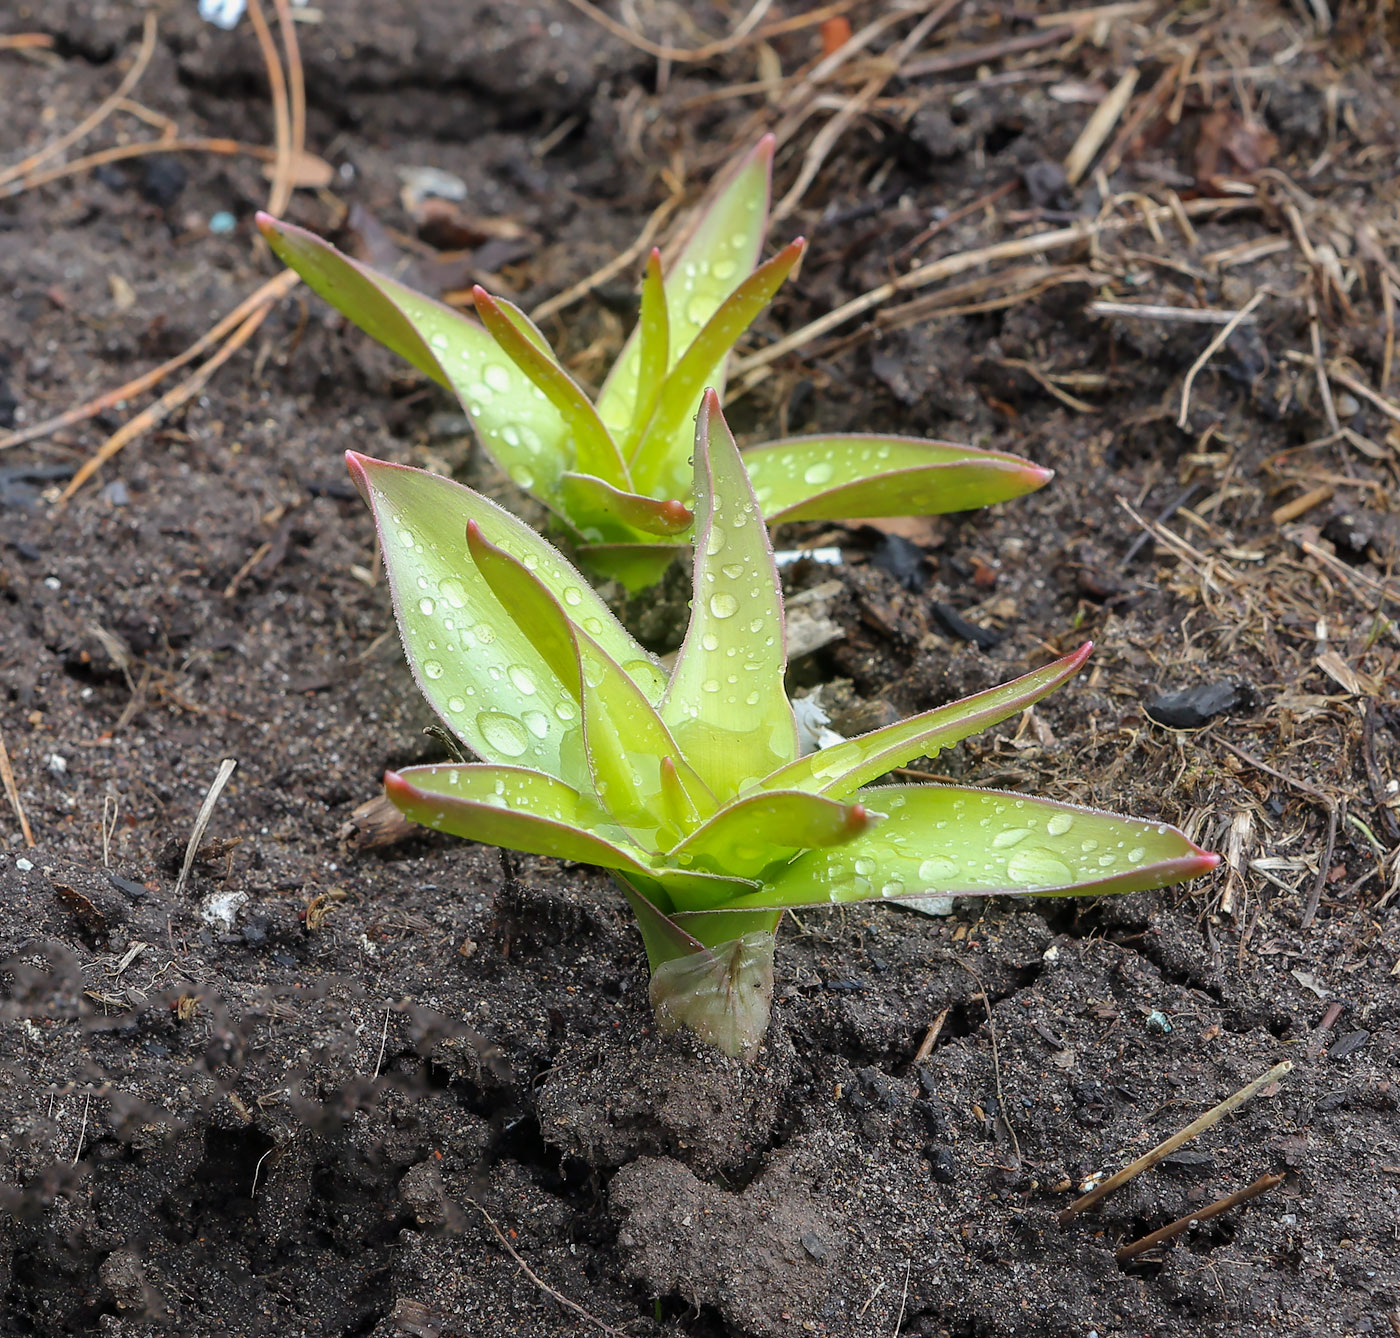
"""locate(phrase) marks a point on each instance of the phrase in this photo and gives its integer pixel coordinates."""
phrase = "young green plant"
(688, 787)
(616, 471)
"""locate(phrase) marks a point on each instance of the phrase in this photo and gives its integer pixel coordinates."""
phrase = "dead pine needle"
(94, 118)
(273, 290)
(7, 776)
(1164, 1149)
(201, 822)
(180, 394)
(1174, 1229)
(1211, 349)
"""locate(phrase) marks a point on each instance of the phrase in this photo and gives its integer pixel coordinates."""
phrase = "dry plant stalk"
(1165, 1148)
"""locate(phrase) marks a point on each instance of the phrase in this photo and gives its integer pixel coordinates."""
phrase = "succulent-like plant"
(616, 472)
(688, 786)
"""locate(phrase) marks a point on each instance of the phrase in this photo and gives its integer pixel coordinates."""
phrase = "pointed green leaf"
(720, 252)
(726, 704)
(513, 807)
(659, 459)
(948, 840)
(845, 477)
(476, 666)
(521, 431)
(534, 813)
(595, 450)
(627, 744)
(590, 499)
(843, 768)
(653, 353)
(748, 835)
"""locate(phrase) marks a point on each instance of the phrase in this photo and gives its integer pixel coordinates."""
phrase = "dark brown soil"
(323, 1092)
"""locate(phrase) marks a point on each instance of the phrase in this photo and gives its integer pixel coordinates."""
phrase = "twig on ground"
(1324, 867)
(201, 822)
(684, 55)
(172, 399)
(94, 118)
(1216, 343)
(1096, 129)
(539, 1281)
(1151, 312)
(1165, 1148)
(273, 290)
(1173, 1229)
(619, 262)
(7, 776)
(281, 191)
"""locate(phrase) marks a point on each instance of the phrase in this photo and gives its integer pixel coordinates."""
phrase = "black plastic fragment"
(905, 561)
(952, 622)
(1192, 707)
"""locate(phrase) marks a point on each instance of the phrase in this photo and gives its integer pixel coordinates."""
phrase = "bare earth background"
(328, 1091)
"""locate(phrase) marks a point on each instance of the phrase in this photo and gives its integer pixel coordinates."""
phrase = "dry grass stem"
(186, 389)
(94, 118)
(7, 777)
(1174, 1229)
(1211, 349)
(1098, 127)
(1165, 1148)
(201, 821)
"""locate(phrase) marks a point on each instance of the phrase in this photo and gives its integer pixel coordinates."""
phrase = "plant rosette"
(616, 471)
(688, 787)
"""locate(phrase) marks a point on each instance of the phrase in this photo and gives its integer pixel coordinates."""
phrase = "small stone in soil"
(1192, 707)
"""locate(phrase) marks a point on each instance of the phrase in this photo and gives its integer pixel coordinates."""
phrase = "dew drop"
(715, 542)
(496, 376)
(536, 722)
(565, 711)
(593, 626)
(522, 680)
(426, 607)
(1136, 855)
(820, 472)
(865, 867)
(723, 605)
(937, 866)
(1012, 836)
(710, 685)
(710, 641)
(521, 477)
(573, 597)
(1059, 824)
(1035, 867)
(502, 732)
(510, 436)
(432, 669)
(1088, 845)
(406, 538)
(733, 570)
(698, 310)
(456, 704)
(723, 269)
(484, 633)
(452, 590)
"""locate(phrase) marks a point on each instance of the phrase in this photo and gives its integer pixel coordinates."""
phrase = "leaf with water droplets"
(653, 353)
(625, 740)
(591, 500)
(726, 704)
(659, 458)
(949, 840)
(721, 250)
(844, 477)
(473, 662)
(595, 450)
(521, 430)
(528, 811)
(844, 767)
(749, 834)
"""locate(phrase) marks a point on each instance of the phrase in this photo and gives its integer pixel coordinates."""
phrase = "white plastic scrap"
(226, 13)
(813, 733)
(221, 910)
